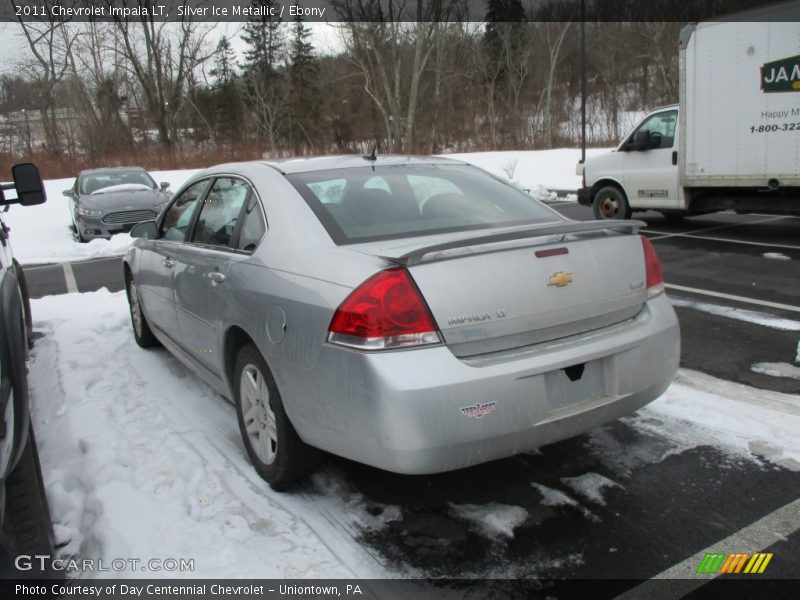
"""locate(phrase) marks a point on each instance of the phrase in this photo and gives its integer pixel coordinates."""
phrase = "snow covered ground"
(534, 170)
(41, 234)
(141, 459)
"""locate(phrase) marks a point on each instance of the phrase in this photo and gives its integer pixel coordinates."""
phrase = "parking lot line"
(69, 278)
(743, 299)
(769, 529)
(660, 235)
(717, 227)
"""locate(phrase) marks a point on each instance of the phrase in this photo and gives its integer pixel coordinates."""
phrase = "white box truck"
(733, 140)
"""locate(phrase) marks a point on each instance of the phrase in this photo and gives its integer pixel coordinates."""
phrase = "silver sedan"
(414, 314)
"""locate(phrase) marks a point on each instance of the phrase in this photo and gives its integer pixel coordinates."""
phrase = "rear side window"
(220, 211)
(178, 217)
(253, 228)
(381, 203)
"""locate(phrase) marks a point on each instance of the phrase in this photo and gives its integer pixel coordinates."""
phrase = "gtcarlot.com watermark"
(45, 562)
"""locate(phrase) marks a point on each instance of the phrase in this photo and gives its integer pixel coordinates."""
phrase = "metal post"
(583, 81)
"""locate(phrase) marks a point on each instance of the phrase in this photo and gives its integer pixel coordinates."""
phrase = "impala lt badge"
(560, 279)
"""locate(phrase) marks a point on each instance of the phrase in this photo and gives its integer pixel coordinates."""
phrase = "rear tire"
(278, 454)
(141, 330)
(26, 302)
(610, 204)
(27, 528)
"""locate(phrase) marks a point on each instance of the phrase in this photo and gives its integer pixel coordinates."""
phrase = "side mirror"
(68, 193)
(641, 141)
(28, 182)
(147, 230)
(655, 140)
(164, 185)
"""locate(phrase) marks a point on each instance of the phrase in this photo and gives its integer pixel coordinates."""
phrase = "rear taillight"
(386, 311)
(652, 266)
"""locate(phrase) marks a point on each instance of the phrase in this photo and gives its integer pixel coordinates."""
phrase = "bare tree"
(50, 42)
(392, 56)
(162, 57)
(554, 34)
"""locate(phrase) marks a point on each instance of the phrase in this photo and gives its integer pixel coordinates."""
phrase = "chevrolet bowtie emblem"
(560, 279)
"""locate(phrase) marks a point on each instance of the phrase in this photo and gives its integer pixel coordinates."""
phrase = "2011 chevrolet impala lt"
(415, 314)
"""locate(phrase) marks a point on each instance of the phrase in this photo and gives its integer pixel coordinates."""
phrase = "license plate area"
(574, 384)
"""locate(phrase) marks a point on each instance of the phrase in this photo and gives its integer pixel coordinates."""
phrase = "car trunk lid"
(497, 291)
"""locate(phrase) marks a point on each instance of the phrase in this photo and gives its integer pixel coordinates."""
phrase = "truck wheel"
(610, 203)
(278, 454)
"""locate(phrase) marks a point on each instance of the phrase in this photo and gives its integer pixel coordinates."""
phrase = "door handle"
(168, 263)
(216, 277)
(675, 157)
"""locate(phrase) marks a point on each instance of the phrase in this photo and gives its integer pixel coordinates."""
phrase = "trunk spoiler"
(415, 256)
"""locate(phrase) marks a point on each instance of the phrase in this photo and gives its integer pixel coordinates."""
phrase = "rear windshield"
(364, 204)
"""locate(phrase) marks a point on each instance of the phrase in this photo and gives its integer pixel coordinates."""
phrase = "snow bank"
(553, 497)
(533, 169)
(590, 486)
(776, 256)
(492, 520)
(777, 370)
(42, 234)
(700, 410)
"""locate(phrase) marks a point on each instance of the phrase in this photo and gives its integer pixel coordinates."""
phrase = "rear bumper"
(585, 196)
(426, 411)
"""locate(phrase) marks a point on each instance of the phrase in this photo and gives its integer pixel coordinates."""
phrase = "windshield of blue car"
(109, 181)
(386, 202)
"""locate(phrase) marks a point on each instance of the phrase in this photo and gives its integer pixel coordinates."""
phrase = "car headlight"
(89, 212)
(160, 206)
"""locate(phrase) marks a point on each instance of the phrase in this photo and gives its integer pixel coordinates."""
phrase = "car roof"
(290, 166)
(110, 170)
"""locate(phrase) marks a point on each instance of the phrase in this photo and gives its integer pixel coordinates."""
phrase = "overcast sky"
(14, 48)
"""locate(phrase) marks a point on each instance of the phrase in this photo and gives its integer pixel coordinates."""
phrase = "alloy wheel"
(259, 418)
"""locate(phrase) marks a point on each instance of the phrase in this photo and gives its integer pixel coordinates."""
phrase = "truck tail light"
(386, 311)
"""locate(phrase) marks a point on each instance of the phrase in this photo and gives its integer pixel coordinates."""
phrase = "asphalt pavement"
(733, 277)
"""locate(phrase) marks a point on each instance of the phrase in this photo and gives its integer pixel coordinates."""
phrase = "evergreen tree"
(263, 71)
(502, 19)
(264, 37)
(303, 86)
(224, 63)
(225, 97)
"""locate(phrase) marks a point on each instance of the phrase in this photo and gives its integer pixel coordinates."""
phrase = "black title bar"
(396, 10)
